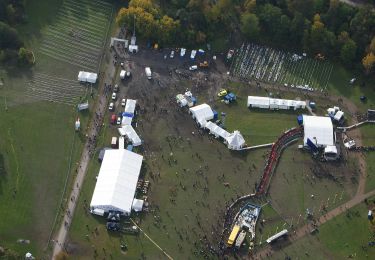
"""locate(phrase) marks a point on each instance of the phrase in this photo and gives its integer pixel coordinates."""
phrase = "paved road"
(92, 132)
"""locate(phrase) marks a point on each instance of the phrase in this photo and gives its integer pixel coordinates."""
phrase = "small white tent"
(130, 106)
(235, 140)
(259, 102)
(90, 77)
(137, 205)
(319, 130)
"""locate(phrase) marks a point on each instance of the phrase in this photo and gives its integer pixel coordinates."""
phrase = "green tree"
(250, 25)
(168, 29)
(25, 57)
(305, 7)
(269, 17)
(9, 37)
(348, 52)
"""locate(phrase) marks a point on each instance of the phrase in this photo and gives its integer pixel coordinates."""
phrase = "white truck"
(148, 72)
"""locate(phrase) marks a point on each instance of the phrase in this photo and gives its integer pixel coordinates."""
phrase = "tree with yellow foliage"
(368, 62)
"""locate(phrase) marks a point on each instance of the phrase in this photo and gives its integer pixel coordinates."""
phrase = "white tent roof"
(117, 181)
(235, 140)
(90, 77)
(338, 115)
(331, 149)
(202, 112)
(216, 130)
(318, 129)
(137, 205)
(129, 132)
(258, 101)
(126, 120)
(130, 106)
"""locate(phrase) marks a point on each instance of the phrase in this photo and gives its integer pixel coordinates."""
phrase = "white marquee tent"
(319, 130)
(130, 106)
(117, 181)
(129, 132)
(90, 77)
(202, 112)
(274, 103)
(235, 140)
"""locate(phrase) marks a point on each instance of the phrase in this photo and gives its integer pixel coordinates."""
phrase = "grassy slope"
(35, 146)
(355, 231)
(368, 138)
(36, 141)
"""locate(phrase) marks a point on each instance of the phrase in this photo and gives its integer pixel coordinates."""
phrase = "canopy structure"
(235, 140)
(117, 181)
(129, 132)
(319, 130)
(216, 130)
(90, 77)
(274, 103)
(126, 120)
(137, 205)
(202, 112)
(130, 106)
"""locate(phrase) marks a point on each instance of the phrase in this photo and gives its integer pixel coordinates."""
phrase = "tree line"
(12, 50)
(327, 28)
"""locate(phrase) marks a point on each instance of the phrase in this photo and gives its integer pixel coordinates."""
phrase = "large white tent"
(235, 141)
(129, 132)
(90, 77)
(274, 103)
(319, 130)
(202, 112)
(117, 181)
(130, 106)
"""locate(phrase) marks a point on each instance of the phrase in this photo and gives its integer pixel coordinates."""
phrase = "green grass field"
(38, 146)
(355, 231)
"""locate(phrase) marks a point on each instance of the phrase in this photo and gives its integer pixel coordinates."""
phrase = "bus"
(233, 235)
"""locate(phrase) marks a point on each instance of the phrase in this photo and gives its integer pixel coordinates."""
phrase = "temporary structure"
(90, 77)
(202, 112)
(216, 130)
(181, 100)
(274, 103)
(258, 102)
(129, 132)
(126, 120)
(122, 74)
(137, 205)
(235, 140)
(130, 106)
(121, 142)
(117, 181)
(319, 130)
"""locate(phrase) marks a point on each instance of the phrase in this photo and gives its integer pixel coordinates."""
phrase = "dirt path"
(305, 230)
(92, 133)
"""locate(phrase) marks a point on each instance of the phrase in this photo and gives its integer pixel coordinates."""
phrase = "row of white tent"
(89, 77)
(274, 103)
(126, 128)
(203, 113)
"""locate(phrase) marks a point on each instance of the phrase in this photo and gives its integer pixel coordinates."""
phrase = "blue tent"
(127, 114)
(300, 119)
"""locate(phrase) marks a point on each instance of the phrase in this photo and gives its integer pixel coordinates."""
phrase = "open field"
(187, 195)
(257, 62)
(38, 146)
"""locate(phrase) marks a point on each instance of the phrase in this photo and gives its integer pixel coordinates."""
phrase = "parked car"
(171, 55)
(114, 95)
(222, 93)
(115, 89)
(113, 119)
(123, 102)
(111, 106)
(194, 67)
(119, 118)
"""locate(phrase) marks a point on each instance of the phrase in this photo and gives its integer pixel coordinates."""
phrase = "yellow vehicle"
(203, 64)
(222, 93)
(233, 235)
